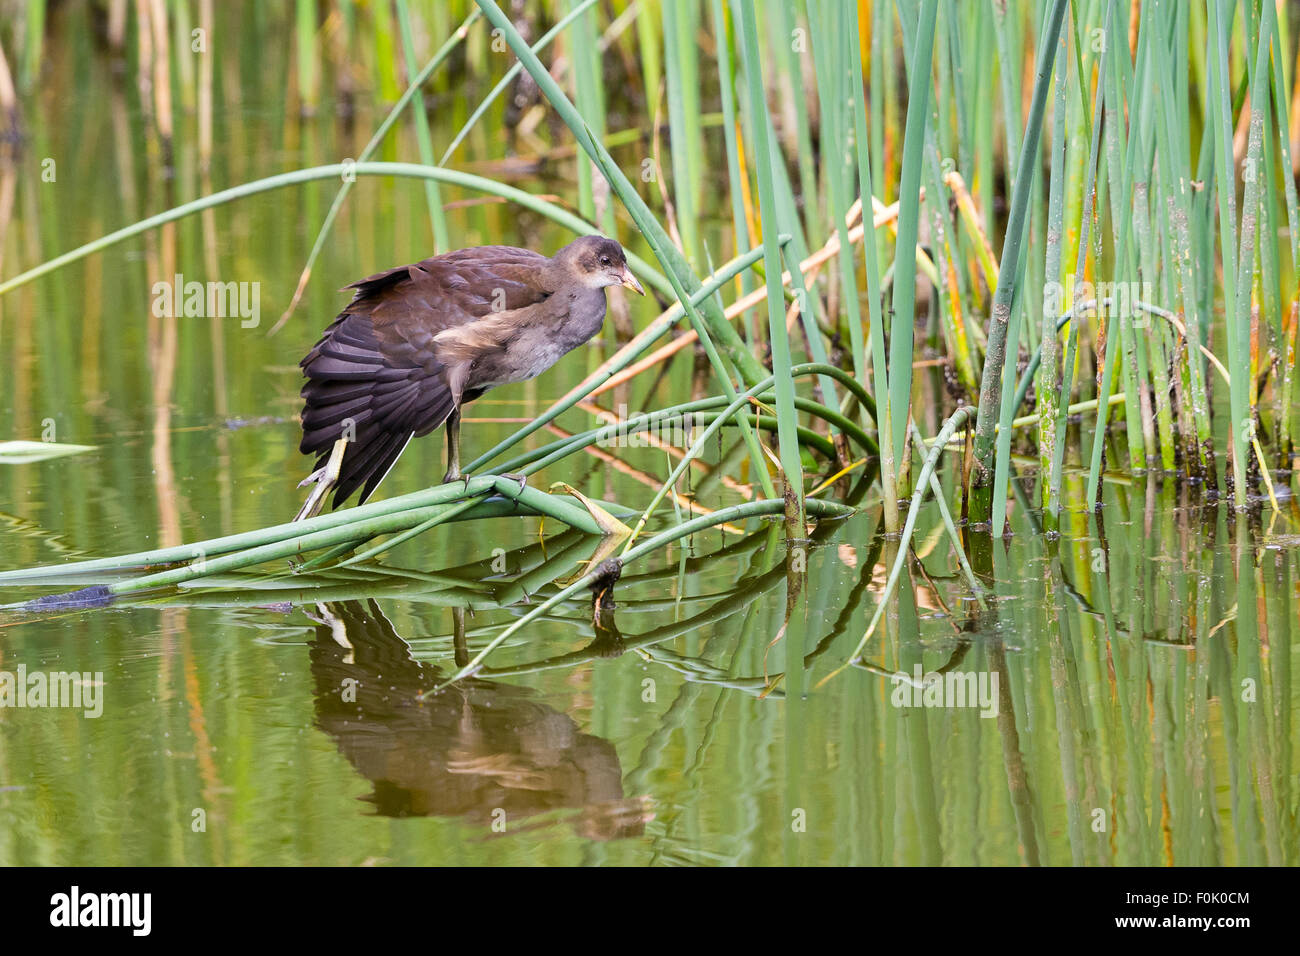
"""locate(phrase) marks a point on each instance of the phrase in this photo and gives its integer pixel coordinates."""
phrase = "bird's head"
(598, 262)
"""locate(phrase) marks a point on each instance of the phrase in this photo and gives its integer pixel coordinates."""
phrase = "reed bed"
(1083, 211)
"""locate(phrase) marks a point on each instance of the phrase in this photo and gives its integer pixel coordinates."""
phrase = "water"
(1139, 672)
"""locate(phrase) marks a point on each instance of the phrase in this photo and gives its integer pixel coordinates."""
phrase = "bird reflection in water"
(475, 750)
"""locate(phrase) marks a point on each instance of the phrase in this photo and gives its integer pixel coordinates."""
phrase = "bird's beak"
(629, 280)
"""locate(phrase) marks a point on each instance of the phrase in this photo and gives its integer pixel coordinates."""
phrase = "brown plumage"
(418, 342)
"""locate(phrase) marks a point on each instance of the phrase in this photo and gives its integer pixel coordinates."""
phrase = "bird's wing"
(378, 369)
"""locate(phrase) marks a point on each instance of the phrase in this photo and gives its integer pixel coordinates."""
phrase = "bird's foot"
(313, 478)
(324, 479)
(515, 476)
(316, 499)
(453, 474)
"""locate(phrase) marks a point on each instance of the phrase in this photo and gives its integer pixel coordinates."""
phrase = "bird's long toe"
(453, 476)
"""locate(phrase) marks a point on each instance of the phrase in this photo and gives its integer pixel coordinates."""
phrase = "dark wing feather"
(378, 368)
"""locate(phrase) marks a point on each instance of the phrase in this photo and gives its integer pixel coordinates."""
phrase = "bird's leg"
(453, 449)
(460, 648)
(325, 478)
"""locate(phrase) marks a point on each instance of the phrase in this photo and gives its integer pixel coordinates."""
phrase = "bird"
(419, 342)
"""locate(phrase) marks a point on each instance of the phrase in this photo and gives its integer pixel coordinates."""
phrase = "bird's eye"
(604, 260)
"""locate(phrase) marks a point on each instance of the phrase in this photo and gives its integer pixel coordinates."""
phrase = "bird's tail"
(354, 394)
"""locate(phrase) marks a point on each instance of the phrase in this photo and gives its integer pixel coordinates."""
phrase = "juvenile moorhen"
(418, 342)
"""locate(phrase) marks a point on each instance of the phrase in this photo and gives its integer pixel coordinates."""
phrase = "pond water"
(1125, 694)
